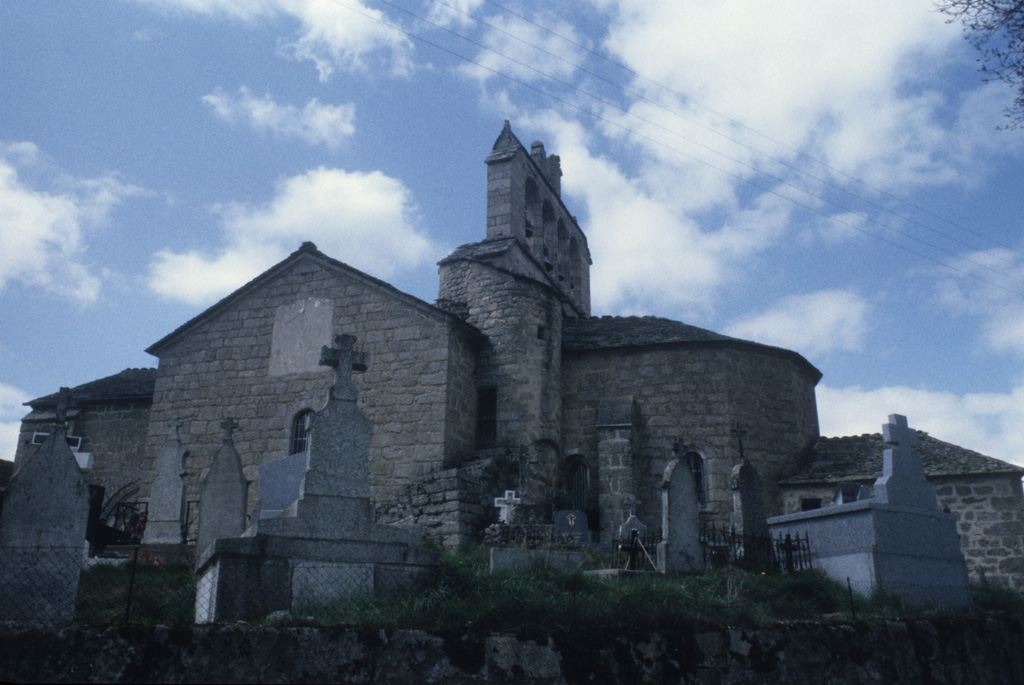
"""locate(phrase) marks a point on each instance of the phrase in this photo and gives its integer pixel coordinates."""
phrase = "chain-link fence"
(60, 586)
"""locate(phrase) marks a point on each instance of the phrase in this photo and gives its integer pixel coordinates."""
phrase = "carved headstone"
(223, 494)
(42, 532)
(326, 544)
(679, 549)
(164, 524)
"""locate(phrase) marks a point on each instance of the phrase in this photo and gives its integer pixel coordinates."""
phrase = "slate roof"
(127, 385)
(610, 332)
(859, 458)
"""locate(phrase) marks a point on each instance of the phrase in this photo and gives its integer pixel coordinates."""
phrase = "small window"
(300, 432)
(809, 503)
(486, 417)
(73, 441)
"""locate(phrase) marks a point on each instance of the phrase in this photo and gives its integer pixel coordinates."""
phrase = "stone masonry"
(505, 383)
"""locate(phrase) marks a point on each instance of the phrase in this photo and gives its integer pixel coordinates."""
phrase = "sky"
(829, 177)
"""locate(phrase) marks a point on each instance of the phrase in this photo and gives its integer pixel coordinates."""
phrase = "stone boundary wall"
(454, 505)
(944, 650)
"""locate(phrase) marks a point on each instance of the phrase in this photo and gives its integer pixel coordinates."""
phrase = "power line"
(637, 134)
(740, 124)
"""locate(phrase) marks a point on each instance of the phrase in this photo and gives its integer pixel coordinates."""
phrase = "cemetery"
(496, 482)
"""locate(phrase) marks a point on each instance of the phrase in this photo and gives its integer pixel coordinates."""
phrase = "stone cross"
(739, 433)
(903, 480)
(344, 360)
(64, 402)
(506, 504)
(229, 425)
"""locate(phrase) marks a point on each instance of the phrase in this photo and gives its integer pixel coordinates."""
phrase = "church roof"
(306, 251)
(611, 332)
(128, 385)
(859, 458)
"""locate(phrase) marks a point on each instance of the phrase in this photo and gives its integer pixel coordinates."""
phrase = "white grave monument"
(896, 541)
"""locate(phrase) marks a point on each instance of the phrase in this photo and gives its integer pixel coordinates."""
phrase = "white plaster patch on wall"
(300, 330)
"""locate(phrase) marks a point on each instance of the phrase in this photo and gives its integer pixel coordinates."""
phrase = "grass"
(160, 594)
(465, 595)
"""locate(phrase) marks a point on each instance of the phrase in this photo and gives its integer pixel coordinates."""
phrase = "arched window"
(696, 464)
(300, 431)
(580, 485)
(533, 210)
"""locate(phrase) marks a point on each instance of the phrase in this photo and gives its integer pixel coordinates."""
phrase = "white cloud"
(990, 423)
(523, 50)
(367, 220)
(447, 12)
(315, 123)
(332, 35)
(988, 286)
(812, 324)
(44, 222)
(11, 412)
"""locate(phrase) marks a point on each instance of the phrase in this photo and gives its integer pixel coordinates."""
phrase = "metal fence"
(785, 554)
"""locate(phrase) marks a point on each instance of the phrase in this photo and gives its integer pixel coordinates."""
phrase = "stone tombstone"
(630, 524)
(165, 520)
(895, 541)
(679, 550)
(572, 522)
(750, 514)
(42, 532)
(325, 545)
(222, 498)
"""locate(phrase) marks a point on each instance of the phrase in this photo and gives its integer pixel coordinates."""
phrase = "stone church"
(506, 382)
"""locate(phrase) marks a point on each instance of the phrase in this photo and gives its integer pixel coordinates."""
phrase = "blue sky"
(826, 176)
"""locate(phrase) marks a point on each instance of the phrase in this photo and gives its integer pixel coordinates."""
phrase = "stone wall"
(696, 394)
(990, 518)
(455, 505)
(522, 320)
(955, 650)
(242, 360)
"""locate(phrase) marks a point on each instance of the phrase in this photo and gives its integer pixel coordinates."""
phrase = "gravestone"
(326, 545)
(164, 524)
(571, 524)
(896, 541)
(750, 513)
(42, 532)
(506, 505)
(223, 494)
(679, 550)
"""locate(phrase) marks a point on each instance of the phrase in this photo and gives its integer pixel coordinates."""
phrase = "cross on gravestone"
(739, 433)
(506, 504)
(229, 425)
(903, 479)
(344, 360)
(65, 402)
